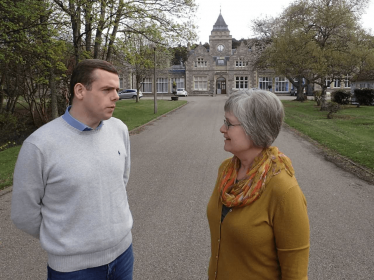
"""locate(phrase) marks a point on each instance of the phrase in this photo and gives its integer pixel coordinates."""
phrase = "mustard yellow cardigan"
(268, 239)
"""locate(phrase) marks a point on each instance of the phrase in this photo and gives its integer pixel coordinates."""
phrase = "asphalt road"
(174, 168)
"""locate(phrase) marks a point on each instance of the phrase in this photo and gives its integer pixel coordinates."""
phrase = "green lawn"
(350, 133)
(132, 113)
(136, 114)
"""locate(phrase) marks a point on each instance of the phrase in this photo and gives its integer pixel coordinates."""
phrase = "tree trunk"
(52, 86)
(99, 30)
(138, 79)
(300, 93)
(14, 103)
(115, 29)
(1, 100)
(88, 25)
(323, 99)
(75, 24)
(300, 90)
(1, 94)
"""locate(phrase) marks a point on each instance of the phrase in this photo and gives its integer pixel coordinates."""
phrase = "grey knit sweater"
(69, 190)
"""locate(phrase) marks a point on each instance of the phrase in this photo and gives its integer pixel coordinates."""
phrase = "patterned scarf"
(268, 164)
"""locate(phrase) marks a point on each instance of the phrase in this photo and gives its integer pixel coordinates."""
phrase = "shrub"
(13, 130)
(364, 96)
(8, 125)
(332, 107)
(341, 97)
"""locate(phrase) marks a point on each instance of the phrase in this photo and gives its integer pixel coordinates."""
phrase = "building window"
(336, 83)
(281, 84)
(201, 82)
(328, 82)
(347, 82)
(147, 85)
(200, 63)
(265, 83)
(178, 81)
(120, 82)
(241, 82)
(162, 85)
(240, 63)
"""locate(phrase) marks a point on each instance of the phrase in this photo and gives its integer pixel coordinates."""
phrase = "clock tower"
(220, 40)
(219, 70)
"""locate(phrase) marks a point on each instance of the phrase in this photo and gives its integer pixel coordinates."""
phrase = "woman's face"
(237, 141)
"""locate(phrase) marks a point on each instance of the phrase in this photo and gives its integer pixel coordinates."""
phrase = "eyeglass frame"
(228, 124)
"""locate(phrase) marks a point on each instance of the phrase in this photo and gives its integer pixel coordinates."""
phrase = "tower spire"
(220, 24)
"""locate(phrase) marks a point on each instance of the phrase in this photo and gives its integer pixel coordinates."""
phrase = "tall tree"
(144, 55)
(111, 18)
(313, 41)
(30, 57)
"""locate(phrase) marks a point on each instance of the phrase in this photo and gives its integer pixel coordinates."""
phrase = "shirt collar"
(77, 124)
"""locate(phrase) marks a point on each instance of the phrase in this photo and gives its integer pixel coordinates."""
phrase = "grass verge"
(8, 159)
(131, 113)
(350, 133)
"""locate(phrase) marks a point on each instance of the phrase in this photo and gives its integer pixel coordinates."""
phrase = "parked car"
(293, 92)
(129, 93)
(181, 91)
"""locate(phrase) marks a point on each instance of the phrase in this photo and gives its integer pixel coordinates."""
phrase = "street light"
(153, 45)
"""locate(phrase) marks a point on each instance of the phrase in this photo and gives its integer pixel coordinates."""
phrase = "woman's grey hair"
(260, 113)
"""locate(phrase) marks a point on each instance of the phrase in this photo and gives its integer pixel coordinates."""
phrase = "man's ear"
(79, 91)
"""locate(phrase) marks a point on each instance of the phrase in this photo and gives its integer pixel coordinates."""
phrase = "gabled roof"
(220, 24)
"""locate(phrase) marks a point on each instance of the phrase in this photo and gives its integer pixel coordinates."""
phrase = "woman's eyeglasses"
(228, 124)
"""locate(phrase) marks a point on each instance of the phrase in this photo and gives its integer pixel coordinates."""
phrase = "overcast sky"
(239, 13)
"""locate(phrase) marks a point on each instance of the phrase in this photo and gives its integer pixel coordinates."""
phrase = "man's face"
(100, 101)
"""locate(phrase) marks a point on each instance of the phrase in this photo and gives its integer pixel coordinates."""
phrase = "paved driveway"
(174, 168)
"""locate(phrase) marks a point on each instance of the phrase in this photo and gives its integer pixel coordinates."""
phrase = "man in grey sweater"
(70, 180)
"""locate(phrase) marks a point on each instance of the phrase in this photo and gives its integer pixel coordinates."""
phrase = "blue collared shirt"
(77, 124)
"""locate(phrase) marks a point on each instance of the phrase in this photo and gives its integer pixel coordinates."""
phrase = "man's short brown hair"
(83, 73)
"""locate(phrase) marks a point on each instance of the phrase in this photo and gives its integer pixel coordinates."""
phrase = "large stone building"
(221, 69)
(218, 70)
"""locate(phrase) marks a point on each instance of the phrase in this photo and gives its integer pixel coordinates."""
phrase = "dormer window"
(200, 63)
(221, 62)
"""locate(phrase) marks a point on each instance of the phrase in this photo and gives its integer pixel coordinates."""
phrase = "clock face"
(220, 48)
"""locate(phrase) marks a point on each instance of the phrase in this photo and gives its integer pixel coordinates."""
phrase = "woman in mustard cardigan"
(257, 213)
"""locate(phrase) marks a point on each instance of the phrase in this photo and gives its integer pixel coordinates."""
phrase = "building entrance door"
(221, 86)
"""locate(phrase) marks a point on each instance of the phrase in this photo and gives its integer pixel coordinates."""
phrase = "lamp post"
(153, 45)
